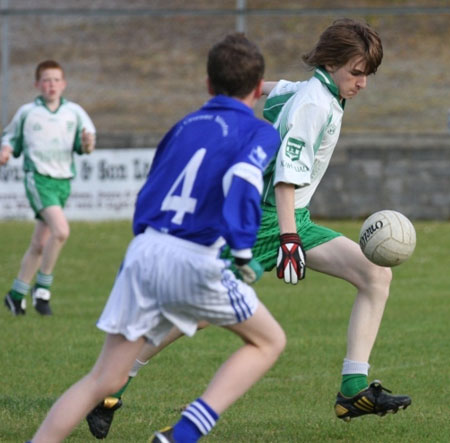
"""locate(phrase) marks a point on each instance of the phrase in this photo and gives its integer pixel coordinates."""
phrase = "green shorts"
(268, 241)
(43, 191)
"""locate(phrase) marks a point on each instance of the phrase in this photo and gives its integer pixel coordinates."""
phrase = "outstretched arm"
(267, 87)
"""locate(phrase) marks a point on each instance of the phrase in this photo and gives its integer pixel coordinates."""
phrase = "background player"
(47, 132)
(204, 189)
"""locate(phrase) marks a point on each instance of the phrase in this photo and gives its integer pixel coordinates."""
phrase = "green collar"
(322, 75)
(40, 101)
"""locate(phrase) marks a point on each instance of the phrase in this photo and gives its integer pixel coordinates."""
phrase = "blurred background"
(138, 66)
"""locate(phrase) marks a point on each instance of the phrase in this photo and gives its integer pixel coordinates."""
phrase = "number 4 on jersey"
(184, 203)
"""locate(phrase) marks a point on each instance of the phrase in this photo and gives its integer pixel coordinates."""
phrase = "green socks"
(353, 383)
(44, 280)
(19, 289)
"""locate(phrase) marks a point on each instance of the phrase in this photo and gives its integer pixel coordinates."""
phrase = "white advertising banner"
(105, 187)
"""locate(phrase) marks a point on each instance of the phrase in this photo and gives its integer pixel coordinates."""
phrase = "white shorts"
(166, 281)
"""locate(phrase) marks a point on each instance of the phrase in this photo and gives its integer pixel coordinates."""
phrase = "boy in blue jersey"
(47, 132)
(203, 191)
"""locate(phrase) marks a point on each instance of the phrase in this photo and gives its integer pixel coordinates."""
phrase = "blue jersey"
(205, 182)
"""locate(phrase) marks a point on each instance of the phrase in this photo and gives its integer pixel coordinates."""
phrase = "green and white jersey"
(308, 116)
(48, 139)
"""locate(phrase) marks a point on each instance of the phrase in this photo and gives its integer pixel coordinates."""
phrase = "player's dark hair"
(235, 66)
(47, 64)
(343, 40)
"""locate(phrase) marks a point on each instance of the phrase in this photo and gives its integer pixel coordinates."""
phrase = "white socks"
(355, 367)
(135, 369)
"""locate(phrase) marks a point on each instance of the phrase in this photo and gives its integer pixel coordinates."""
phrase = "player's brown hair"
(343, 40)
(47, 64)
(235, 66)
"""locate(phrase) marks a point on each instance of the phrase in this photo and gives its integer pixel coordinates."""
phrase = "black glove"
(248, 270)
(291, 262)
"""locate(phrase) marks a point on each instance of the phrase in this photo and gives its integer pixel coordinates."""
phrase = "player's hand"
(248, 270)
(291, 262)
(87, 141)
(5, 154)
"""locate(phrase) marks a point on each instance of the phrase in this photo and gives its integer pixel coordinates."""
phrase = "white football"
(387, 238)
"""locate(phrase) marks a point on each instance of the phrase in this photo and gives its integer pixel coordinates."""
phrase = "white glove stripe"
(292, 274)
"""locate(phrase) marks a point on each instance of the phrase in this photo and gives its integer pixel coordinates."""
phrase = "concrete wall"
(407, 173)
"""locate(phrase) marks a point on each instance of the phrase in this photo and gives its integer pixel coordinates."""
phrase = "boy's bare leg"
(342, 258)
(109, 374)
(59, 232)
(48, 238)
(264, 341)
(101, 417)
(148, 350)
(32, 258)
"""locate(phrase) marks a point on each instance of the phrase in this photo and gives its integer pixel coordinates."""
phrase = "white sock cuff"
(355, 367)
(20, 286)
(44, 279)
(137, 365)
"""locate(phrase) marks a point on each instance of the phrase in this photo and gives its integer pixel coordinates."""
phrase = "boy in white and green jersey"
(46, 132)
(47, 139)
(308, 116)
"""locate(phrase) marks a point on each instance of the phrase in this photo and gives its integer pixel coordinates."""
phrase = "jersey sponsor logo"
(258, 157)
(296, 168)
(37, 127)
(294, 148)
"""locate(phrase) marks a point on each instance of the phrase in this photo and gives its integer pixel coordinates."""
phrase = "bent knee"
(278, 343)
(61, 234)
(37, 247)
(382, 275)
(376, 279)
(106, 384)
(117, 384)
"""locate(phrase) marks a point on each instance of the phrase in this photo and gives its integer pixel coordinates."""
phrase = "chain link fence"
(137, 69)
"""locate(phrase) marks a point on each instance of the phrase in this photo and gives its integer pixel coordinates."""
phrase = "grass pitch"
(41, 357)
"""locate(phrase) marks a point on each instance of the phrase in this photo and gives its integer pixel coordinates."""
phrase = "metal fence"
(137, 69)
